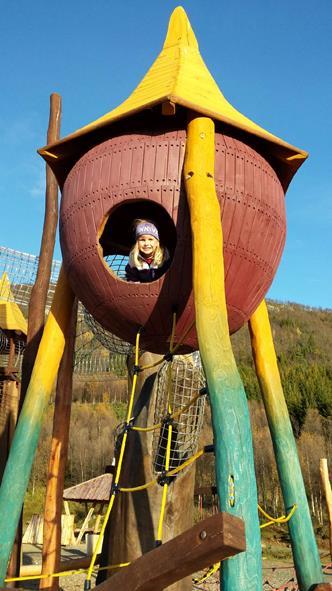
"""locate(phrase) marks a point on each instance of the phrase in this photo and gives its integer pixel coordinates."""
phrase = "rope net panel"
(117, 263)
(21, 269)
(94, 345)
(187, 379)
(106, 338)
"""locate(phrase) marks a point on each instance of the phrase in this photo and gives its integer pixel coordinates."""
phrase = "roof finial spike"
(179, 30)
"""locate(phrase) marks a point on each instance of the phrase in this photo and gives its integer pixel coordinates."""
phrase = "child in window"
(147, 259)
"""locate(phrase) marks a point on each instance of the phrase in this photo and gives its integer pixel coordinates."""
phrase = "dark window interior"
(118, 235)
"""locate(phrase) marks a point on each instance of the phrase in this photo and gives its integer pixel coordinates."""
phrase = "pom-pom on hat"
(146, 228)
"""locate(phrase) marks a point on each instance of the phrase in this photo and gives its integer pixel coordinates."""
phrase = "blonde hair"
(160, 256)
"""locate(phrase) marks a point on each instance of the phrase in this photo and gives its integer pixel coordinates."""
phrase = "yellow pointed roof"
(180, 76)
(11, 317)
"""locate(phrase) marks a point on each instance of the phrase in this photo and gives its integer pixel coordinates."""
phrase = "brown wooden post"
(36, 316)
(57, 462)
(324, 474)
(134, 520)
(9, 406)
(39, 291)
(11, 356)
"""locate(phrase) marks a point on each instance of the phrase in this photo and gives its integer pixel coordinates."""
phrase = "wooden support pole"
(235, 473)
(37, 304)
(22, 452)
(36, 316)
(304, 547)
(57, 462)
(208, 542)
(326, 484)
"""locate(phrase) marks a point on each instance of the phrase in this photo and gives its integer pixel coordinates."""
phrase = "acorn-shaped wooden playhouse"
(129, 164)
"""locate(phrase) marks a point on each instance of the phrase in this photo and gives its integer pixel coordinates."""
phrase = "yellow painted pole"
(304, 547)
(18, 468)
(235, 474)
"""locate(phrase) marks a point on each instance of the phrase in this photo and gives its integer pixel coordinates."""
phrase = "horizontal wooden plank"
(211, 540)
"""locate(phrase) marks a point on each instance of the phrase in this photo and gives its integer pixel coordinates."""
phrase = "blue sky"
(272, 61)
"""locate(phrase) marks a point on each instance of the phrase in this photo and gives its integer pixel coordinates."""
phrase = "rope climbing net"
(166, 429)
(187, 381)
(106, 338)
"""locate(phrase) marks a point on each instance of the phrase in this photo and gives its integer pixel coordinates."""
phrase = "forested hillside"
(303, 341)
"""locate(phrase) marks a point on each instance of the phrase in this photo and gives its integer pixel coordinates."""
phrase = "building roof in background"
(94, 490)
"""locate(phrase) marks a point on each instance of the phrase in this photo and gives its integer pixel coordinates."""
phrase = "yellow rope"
(169, 437)
(67, 573)
(186, 463)
(183, 409)
(281, 519)
(147, 429)
(172, 349)
(138, 488)
(213, 569)
(40, 577)
(169, 473)
(182, 337)
(158, 362)
(165, 487)
(119, 466)
(112, 566)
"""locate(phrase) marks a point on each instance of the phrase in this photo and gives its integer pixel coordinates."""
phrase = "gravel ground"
(275, 575)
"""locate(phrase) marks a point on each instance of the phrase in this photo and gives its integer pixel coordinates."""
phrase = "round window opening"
(138, 241)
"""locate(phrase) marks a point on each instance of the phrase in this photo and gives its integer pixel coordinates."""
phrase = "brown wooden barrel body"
(141, 170)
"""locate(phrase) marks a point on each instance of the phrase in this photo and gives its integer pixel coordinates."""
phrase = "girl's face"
(147, 245)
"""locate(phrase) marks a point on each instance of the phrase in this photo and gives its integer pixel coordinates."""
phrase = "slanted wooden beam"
(208, 542)
(84, 526)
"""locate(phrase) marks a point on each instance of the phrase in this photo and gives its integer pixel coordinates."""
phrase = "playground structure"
(177, 152)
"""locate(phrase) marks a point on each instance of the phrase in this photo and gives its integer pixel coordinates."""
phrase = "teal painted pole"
(305, 552)
(235, 472)
(23, 448)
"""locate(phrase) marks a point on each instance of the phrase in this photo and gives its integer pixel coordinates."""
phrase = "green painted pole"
(235, 472)
(23, 448)
(305, 552)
